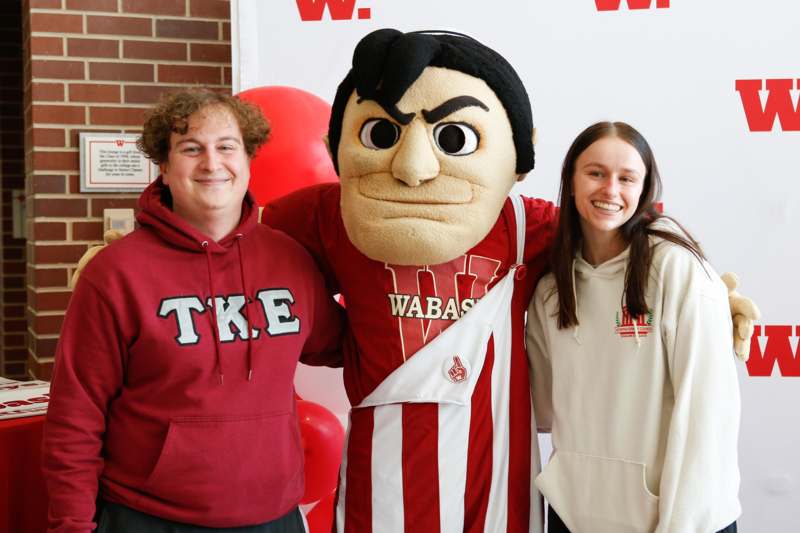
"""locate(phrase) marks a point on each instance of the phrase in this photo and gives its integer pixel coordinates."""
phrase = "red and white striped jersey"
(445, 443)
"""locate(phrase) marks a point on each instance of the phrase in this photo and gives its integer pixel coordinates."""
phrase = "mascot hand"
(109, 237)
(744, 312)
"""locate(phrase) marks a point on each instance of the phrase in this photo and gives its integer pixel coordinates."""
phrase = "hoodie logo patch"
(625, 326)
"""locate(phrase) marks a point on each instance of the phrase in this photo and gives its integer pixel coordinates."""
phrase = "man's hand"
(109, 237)
(744, 312)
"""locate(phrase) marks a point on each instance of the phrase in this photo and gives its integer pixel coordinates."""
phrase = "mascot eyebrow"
(437, 113)
(451, 106)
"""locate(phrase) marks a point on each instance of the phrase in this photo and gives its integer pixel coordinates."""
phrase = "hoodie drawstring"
(636, 332)
(635, 320)
(213, 317)
(246, 309)
(575, 330)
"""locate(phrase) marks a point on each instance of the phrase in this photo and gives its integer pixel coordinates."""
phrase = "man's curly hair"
(172, 113)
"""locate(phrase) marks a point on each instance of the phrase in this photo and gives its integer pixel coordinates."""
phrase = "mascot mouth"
(441, 190)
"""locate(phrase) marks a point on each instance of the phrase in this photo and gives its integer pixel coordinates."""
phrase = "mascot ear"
(327, 142)
(534, 139)
(108, 237)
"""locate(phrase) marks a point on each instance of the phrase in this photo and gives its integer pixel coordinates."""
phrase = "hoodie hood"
(610, 269)
(615, 267)
(155, 212)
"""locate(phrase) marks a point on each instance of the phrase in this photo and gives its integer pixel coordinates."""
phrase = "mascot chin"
(437, 263)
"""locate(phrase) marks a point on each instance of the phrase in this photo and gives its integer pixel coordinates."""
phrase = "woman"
(172, 396)
(631, 355)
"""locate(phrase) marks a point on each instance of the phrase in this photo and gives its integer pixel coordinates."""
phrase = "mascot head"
(428, 133)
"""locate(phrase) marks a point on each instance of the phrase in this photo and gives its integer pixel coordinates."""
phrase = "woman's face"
(607, 183)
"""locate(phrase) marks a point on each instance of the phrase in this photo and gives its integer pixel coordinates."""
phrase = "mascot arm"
(744, 312)
(324, 344)
(108, 237)
(301, 215)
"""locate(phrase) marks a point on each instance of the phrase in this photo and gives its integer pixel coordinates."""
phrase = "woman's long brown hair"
(635, 231)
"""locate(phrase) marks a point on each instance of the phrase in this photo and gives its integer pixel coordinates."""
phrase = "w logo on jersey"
(427, 299)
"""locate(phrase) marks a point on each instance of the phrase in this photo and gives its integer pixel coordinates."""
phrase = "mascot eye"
(454, 138)
(379, 134)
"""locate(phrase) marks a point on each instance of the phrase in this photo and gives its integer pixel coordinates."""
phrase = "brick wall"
(96, 65)
(12, 180)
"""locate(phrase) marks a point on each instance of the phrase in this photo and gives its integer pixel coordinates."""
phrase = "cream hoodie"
(644, 411)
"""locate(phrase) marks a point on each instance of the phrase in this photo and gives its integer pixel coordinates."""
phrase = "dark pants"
(116, 518)
(555, 525)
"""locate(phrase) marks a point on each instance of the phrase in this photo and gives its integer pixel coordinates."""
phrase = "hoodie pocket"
(599, 494)
(227, 466)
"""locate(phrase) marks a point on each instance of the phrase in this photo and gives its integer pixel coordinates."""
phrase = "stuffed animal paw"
(744, 312)
(108, 237)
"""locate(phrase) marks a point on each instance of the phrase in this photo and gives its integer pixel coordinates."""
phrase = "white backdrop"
(671, 70)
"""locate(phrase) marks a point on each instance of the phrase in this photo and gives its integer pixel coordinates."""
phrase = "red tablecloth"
(23, 498)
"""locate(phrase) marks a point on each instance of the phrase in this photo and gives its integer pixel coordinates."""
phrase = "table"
(23, 497)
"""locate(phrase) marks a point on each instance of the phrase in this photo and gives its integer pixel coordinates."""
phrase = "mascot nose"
(414, 162)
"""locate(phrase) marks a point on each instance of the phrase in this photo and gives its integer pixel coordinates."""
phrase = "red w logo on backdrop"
(313, 10)
(777, 349)
(779, 103)
(614, 5)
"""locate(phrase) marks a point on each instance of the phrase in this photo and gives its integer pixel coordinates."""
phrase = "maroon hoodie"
(163, 413)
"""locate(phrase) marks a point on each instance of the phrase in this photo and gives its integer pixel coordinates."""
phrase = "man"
(172, 396)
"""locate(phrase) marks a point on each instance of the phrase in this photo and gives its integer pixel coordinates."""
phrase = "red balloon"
(294, 155)
(320, 517)
(323, 439)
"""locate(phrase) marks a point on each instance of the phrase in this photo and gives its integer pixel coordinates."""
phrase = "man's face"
(208, 170)
(428, 191)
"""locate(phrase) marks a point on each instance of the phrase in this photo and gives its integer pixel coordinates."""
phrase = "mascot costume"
(437, 264)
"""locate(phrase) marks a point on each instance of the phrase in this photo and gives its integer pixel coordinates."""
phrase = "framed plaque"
(111, 162)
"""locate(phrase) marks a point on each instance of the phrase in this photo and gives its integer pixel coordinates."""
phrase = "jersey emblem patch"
(456, 370)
